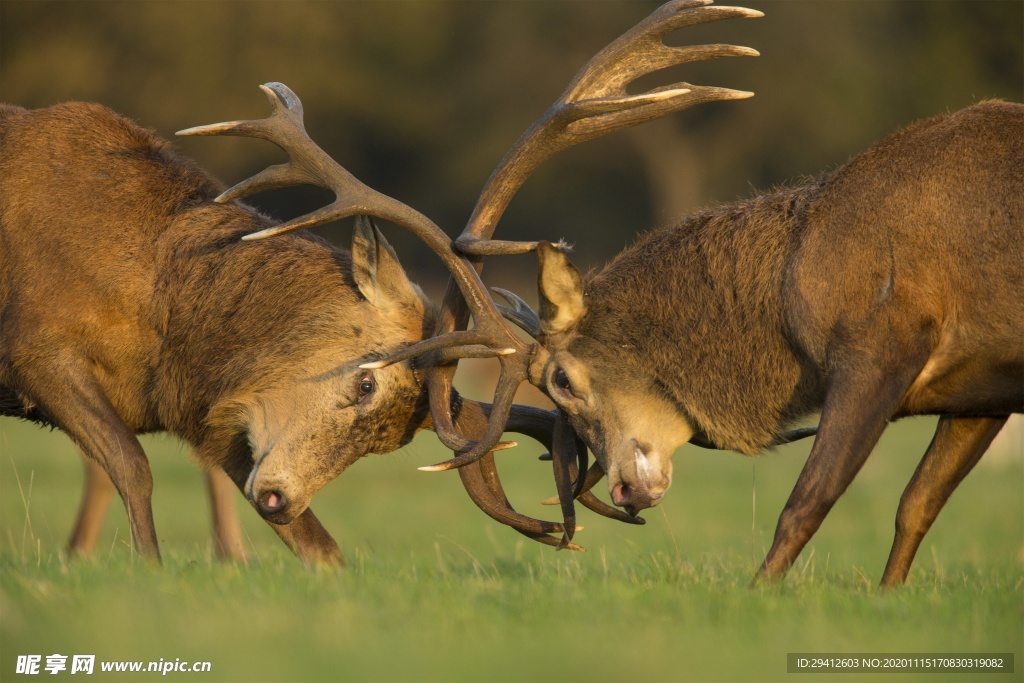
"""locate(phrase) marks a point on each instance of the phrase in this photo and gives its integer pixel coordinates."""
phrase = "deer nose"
(271, 502)
(634, 499)
(642, 484)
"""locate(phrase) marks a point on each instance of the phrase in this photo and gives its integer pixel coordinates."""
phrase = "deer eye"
(366, 386)
(562, 382)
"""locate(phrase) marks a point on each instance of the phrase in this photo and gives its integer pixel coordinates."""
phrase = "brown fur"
(128, 304)
(893, 286)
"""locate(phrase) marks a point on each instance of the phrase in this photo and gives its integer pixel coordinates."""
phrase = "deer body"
(128, 304)
(893, 286)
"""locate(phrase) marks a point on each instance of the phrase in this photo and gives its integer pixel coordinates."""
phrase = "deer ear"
(377, 272)
(561, 290)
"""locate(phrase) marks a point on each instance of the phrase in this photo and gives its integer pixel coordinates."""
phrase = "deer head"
(309, 411)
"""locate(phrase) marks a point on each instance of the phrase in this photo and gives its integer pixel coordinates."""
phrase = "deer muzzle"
(272, 495)
(640, 479)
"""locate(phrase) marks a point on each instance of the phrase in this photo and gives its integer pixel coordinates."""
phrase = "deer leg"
(99, 492)
(957, 446)
(77, 404)
(308, 539)
(861, 399)
(96, 498)
(227, 533)
(305, 535)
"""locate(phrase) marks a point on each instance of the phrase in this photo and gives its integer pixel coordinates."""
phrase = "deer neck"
(699, 306)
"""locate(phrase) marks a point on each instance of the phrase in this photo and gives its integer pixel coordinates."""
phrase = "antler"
(594, 103)
(308, 164)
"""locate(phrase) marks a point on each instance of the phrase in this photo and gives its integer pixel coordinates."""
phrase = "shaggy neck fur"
(700, 304)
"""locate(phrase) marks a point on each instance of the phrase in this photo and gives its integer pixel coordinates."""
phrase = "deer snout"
(641, 479)
(273, 497)
(271, 502)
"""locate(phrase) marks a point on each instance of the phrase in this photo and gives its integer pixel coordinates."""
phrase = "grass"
(435, 591)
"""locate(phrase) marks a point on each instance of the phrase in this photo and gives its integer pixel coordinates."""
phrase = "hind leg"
(958, 444)
(227, 533)
(96, 499)
(99, 492)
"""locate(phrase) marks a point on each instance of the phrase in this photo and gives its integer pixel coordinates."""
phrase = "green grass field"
(436, 591)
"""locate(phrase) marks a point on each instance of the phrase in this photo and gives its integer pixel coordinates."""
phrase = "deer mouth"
(621, 493)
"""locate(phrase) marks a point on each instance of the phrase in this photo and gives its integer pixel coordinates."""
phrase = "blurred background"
(421, 98)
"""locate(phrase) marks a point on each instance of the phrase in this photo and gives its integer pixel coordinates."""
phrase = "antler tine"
(513, 373)
(593, 503)
(563, 443)
(481, 481)
(478, 479)
(641, 50)
(520, 313)
(596, 103)
(475, 482)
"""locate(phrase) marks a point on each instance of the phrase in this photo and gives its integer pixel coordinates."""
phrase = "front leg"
(863, 395)
(73, 399)
(308, 539)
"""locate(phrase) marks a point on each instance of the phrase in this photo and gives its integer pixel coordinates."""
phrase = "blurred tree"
(421, 98)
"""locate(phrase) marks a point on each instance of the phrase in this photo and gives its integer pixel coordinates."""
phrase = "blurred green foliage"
(421, 98)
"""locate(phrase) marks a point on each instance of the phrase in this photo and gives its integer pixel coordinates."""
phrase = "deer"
(131, 303)
(128, 305)
(888, 287)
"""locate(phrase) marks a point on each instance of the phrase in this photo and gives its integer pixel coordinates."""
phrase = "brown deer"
(892, 286)
(129, 305)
